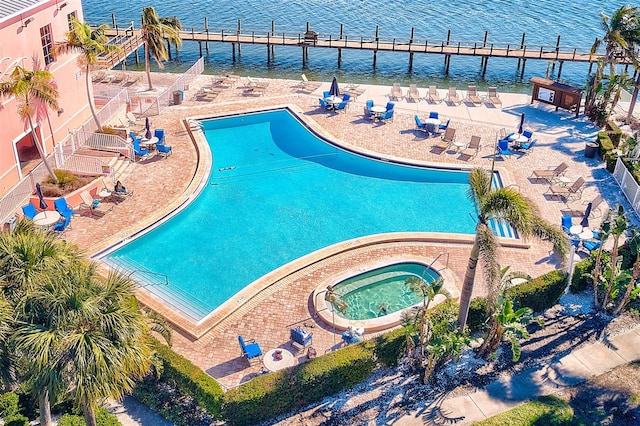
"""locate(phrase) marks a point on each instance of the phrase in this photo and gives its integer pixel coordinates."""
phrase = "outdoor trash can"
(590, 149)
(177, 97)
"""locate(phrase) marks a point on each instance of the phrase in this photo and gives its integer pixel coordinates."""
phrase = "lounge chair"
(98, 77)
(452, 96)
(119, 190)
(446, 141)
(579, 210)
(29, 211)
(63, 208)
(301, 336)
(492, 97)
(420, 125)
(502, 150)
(550, 174)
(132, 119)
(164, 150)
(93, 205)
(257, 83)
(567, 192)
(396, 92)
(472, 148)
(308, 85)
(117, 78)
(413, 94)
(250, 351)
(433, 95)
(472, 95)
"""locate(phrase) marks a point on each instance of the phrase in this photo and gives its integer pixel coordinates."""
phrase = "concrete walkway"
(578, 366)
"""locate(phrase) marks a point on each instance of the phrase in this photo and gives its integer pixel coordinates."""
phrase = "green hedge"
(615, 134)
(9, 404)
(477, 314)
(580, 281)
(190, 380)
(270, 395)
(607, 150)
(103, 418)
(390, 347)
(540, 293)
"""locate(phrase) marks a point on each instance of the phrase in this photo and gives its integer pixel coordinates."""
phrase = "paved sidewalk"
(578, 366)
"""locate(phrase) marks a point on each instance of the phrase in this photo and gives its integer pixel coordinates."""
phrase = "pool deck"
(161, 185)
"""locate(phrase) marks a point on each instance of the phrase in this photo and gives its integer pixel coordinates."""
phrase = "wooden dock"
(131, 40)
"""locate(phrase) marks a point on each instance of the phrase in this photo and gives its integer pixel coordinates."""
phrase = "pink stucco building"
(28, 29)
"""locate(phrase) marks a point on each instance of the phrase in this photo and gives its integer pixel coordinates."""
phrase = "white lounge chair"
(396, 92)
(413, 94)
(433, 95)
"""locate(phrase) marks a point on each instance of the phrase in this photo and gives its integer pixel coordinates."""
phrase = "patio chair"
(502, 150)
(142, 153)
(527, 146)
(93, 205)
(433, 95)
(413, 94)
(580, 210)
(567, 223)
(342, 106)
(396, 92)
(159, 133)
(387, 116)
(591, 245)
(420, 125)
(433, 114)
(390, 106)
(472, 95)
(63, 208)
(444, 126)
(528, 134)
(492, 96)
(164, 150)
(324, 105)
(29, 211)
(550, 174)
(301, 336)
(446, 141)
(326, 94)
(472, 149)
(567, 192)
(250, 351)
(452, 96)
(347, 98)
(63, 225)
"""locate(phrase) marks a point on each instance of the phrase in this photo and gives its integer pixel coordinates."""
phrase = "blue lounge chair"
(29, 211)
(503, 148)
(159, 133)
(164, 150)
(419, 124)
(251, 350)
(301, 337)
(341, 106)
(433, 114)
(63, 208)
(63, 225)
(390, 106)
(591, 245)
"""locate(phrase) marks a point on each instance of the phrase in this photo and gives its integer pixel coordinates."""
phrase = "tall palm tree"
(27, 256)
(507, 204)
(90, 43)
(35, 92)
(93, 332)
(154, 31)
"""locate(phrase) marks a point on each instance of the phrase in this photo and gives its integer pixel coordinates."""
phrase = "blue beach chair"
(250, 351)
(29, 211)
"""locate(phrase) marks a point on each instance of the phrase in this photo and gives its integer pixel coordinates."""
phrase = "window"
(47, 44)
(71, 16)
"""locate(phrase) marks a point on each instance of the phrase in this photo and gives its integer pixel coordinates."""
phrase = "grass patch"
(546, 410)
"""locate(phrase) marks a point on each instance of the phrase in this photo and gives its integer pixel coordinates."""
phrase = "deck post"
(375, 51)
(484, 68)
(524, 62)
(273, 33)
(113, 20)
(521, 47)
(238, 38)
(484, 42)
(557, 48)
(233, 52)
(447, 62)
(206, 29)
(448, 36)
(200, 48)
(268, 48)
(410, 50)
(559, 70)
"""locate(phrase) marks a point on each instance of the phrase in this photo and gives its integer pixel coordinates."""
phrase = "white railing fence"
(107, 142)
(628, 185)
(21, 192)
(87, 165)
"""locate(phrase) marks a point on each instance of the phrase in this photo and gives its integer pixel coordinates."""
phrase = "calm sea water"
(576, 22)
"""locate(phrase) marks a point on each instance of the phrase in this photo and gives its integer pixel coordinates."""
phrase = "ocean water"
(576, 23)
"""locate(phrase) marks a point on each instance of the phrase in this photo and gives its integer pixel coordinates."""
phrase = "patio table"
(273, 364)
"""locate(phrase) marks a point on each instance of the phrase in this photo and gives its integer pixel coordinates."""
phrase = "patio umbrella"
(147, 125)
(334, 90)
(585, 219)
(521, 123)
(43, 203)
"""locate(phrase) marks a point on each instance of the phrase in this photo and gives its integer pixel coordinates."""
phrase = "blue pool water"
(380, 292)
(277, 192)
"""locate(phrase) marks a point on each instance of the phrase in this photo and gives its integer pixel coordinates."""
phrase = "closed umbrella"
(43, 203)
(147, 125)
(521, 123)
(334, 90)
(585, 219)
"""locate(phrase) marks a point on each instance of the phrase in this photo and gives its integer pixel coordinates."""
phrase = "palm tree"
(632, 289)
(90, 43)
(494, 204)
(154, 31)
(428, 292)
(35, 92)
(92, 332)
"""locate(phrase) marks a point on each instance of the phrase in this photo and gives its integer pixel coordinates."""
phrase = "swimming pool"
(277, 192)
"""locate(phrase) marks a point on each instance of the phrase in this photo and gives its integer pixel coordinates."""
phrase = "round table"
(273, 364)
(333, 100)
(46, 218)
(586, 234)
(104, 193)
(575, 230)
(459, 145)
(149, 142)
(432, 121)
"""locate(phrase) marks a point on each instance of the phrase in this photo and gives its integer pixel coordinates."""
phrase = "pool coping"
(325, 313)
(247, 297)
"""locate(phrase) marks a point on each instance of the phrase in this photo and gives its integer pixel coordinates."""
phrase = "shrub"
(614, 133)
(16, 420)
(477, 314)
(580, 281)
(190, 379)
(607, 150)
(67, 183)
(390, 347)
(103, 418)
(540, 293)
(269, 395)
(9, 404)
